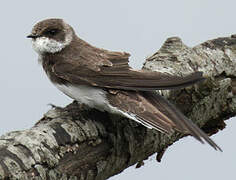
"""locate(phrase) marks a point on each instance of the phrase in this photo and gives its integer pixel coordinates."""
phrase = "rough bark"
(79, 143)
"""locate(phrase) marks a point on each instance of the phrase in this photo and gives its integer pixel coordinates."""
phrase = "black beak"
(32, 36)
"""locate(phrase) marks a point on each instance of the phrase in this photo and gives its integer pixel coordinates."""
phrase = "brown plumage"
(127, 90)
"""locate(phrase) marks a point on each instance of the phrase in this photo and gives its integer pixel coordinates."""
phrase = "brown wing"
(154, 111)
(111, 70)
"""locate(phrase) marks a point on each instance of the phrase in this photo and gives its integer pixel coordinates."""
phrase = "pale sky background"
(138, 27)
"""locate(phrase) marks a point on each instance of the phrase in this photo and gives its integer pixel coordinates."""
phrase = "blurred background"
(137, 27)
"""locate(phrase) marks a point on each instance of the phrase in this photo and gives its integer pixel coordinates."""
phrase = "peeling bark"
(80, 143)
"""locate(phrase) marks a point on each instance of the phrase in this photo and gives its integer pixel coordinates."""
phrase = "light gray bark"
(80, 143)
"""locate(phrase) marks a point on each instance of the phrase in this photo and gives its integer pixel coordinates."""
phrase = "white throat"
(47, 45)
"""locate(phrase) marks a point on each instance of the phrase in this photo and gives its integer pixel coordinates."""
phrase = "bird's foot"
(160, 154)
(54, 106)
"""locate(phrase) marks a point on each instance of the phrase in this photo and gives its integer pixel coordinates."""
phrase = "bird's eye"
(52, 32)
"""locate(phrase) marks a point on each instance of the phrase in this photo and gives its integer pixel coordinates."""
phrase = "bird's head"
(51, 36)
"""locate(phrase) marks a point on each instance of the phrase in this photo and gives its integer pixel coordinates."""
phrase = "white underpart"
(45, 44)
(95, 98)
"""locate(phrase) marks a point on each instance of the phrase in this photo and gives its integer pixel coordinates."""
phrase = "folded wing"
(111, 70)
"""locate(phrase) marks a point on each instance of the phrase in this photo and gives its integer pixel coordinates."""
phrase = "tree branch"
(80, 143)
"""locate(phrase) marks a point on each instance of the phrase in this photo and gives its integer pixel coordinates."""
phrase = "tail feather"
(183, 124)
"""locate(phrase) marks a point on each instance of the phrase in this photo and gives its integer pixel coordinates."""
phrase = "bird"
(103, 80)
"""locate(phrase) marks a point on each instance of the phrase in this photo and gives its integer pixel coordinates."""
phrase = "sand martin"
(103, 80)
